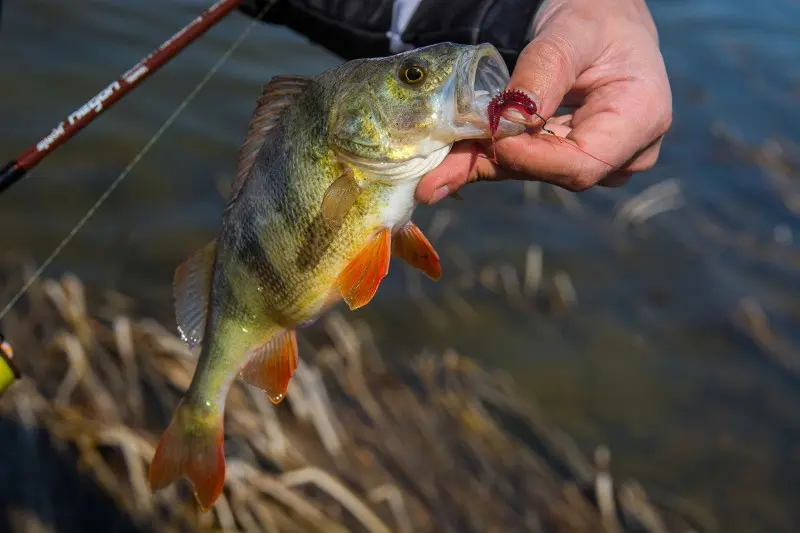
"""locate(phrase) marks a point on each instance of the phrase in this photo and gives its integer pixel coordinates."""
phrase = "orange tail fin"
(191, 446)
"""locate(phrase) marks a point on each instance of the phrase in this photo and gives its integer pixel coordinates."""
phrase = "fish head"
(410, 105)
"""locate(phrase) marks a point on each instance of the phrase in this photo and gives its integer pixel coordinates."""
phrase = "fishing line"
(156, 136)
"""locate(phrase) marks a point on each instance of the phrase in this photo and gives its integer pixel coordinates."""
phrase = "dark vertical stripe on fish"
(252, 256)
(317, 238)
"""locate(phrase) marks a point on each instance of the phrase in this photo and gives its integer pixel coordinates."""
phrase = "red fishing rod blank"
(78, 119)
(107, 97)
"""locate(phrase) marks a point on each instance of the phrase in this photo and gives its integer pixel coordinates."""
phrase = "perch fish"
(322, 199)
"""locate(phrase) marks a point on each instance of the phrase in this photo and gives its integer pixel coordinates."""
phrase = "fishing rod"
(81, 117)
(110, 95)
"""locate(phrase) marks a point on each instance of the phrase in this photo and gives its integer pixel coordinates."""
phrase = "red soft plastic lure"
(526, 105)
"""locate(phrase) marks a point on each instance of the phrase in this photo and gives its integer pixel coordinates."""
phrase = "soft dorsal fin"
(276, 95)
(192, 290)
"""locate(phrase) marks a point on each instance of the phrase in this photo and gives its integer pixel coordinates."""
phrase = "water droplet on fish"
(276, 398)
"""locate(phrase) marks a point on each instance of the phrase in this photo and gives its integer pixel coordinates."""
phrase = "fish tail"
(192, 445)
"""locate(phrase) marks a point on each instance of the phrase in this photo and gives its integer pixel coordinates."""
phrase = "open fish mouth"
(481, 75)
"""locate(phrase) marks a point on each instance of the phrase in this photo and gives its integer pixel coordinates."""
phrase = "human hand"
(601, 55)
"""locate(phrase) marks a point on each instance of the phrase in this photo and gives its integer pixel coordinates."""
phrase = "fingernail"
(439, 194)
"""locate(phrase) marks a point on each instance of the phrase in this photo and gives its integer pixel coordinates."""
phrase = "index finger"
(610, 131)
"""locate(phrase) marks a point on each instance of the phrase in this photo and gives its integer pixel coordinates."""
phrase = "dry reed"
(362, 444)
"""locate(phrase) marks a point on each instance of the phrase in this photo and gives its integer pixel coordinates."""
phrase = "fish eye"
(412, 73)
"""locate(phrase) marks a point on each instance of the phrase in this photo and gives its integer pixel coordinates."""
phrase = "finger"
(643, 161)
(616, 179)
(647, 158)
(560, 120)
(466, 162)
(608, 133)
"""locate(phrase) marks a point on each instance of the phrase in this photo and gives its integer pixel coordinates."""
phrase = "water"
(650, 361)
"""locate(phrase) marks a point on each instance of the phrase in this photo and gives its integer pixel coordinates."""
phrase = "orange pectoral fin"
(412, 246)
(359, 281)
(272, 366)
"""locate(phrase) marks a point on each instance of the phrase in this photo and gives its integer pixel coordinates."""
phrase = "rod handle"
(10, 174)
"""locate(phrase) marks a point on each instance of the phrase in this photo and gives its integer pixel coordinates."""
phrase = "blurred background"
(661, 319)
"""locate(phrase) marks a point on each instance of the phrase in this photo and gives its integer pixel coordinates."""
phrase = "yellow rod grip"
(9, 373)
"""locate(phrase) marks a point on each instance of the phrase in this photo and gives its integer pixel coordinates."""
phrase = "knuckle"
(661, 95)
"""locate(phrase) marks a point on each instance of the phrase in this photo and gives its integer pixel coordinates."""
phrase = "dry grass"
(361, 445)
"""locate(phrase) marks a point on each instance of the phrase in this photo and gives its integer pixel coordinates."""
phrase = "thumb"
(549, 65)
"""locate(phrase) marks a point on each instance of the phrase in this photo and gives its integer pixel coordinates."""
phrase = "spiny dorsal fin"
(276, 95)
(271, 366)
(192, 290)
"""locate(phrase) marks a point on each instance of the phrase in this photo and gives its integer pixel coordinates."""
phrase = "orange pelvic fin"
(191, 446)
(412, 246)
(359, 281)
(272, 366)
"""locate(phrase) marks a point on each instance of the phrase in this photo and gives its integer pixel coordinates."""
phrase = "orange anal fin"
(360, 279)
(413, 247)
(194, 449)
(272, 366)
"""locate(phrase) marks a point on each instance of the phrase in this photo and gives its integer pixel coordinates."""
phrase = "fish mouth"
(481, 75)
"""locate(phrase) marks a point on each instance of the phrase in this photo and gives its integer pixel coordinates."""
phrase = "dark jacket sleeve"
(361, 28)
